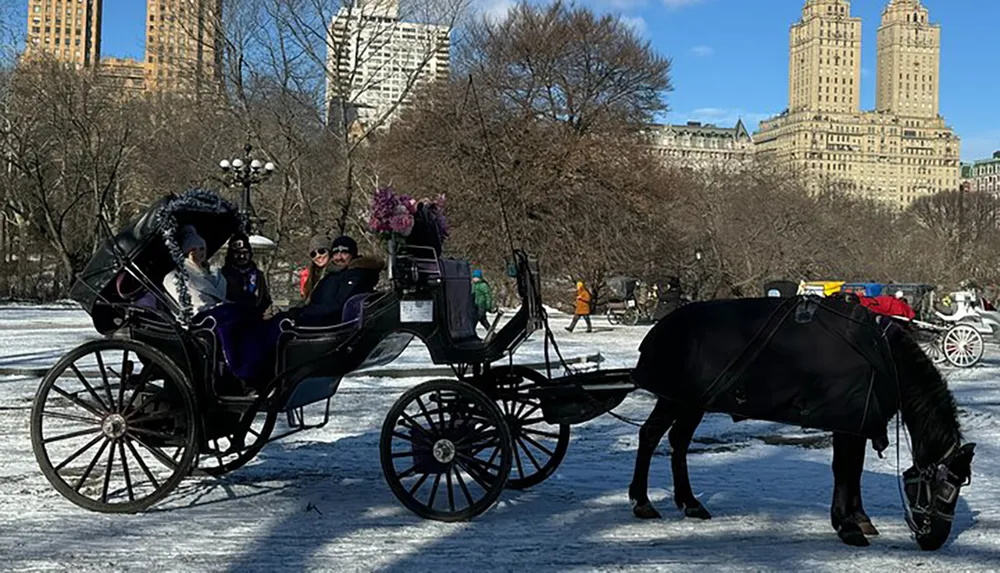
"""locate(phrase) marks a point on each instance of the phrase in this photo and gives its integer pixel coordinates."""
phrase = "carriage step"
(579, 398)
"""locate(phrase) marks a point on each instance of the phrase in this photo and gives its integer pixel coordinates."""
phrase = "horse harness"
(926, 504)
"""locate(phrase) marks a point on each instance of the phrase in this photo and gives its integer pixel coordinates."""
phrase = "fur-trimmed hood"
(197, 201)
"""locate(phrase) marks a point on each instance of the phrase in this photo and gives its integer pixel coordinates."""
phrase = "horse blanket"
(806, 361)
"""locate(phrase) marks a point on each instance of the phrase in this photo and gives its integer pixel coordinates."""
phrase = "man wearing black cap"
(355, 275)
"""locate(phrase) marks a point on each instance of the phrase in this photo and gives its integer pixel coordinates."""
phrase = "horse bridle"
(939, 476)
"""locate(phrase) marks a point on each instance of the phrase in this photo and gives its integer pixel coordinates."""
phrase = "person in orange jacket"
(582, 307)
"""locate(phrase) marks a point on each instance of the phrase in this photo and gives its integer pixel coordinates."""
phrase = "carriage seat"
(202, 346)
(460, 308)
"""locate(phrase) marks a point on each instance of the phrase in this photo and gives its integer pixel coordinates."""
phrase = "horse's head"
(931, 494)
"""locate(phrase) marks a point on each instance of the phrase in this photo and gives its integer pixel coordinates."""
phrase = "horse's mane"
(928, 407)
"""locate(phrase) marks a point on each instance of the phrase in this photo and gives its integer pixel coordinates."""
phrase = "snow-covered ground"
(318, 501)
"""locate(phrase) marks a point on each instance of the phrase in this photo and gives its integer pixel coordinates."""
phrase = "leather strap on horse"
(732, 373)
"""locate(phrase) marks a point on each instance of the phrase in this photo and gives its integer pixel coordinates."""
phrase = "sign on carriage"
(416, 311)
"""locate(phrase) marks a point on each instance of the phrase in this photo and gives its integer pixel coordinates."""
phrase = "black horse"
(817, 363)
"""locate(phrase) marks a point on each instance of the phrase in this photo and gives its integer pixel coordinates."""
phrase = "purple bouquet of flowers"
(393, 214)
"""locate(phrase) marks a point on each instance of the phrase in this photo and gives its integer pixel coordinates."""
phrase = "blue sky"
(730, 57)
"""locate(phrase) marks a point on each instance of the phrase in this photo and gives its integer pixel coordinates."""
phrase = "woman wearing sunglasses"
(320, 258)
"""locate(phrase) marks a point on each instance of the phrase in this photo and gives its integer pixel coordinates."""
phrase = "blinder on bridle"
(931, 493)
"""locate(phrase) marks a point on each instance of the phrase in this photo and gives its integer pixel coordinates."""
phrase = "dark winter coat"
(247, 287)
(327, 301)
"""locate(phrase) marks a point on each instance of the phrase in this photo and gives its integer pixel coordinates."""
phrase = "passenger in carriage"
(207, 288)
(245, 282)
(353, 275)
(319, 265)
(248, 342)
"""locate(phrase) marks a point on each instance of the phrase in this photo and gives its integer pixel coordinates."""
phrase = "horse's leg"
(680, 438)
(848, 463)
(650, 434)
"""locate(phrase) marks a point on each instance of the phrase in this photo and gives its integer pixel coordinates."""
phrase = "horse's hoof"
(645, 511)
(850, 534)
(697, 511)
(867, 528)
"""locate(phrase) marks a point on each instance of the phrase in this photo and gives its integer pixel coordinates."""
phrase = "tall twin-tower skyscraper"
(897, 152)
(182, 39)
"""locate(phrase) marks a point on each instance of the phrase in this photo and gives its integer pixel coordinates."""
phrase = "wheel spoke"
(107, 473)
(476, 476)
(478, 462)
(423, 410)
(531, 457)
(538, 445)
(79, 453)
(517, 460)
(451, 491)
(121, 377)
(412, 470)
(434, 491)
(144, 377)
(71, 435)
(90, 389)
(72, 418)
(128, 477)
(157, 453)
(552, 435)
(142, 464)
(411, 439)
(104, 377)
(397, 455)
(152, 434)
(80, 402)
(90, 468)
(461, 483)
(419, 483)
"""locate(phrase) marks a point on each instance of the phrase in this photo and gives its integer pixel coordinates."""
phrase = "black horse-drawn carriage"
(118, 422)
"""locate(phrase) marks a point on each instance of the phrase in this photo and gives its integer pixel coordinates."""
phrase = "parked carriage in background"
(820, 288)
(626, 302)
(117, 423)
(864, 289)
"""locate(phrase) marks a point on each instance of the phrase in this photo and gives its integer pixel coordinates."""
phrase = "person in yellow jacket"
(582, 307)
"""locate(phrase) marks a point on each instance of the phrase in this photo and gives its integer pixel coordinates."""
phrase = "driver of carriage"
(354, 275)
(206, 287)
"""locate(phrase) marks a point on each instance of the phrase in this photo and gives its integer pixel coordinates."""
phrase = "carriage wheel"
(113, 426)
(930, 343)
(539, 447)
(445, 450)
(613, 318)
(963, 346)
(237, 446)
(630, 317)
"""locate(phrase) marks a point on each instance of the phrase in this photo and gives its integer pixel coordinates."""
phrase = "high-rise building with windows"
(68, 30)
(897, 153)
(183, 44)
(376, 61)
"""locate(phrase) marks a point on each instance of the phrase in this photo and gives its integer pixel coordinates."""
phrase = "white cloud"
(492, 10)
(676, 4)
(702, 51)
(624, 4)
(637, 24)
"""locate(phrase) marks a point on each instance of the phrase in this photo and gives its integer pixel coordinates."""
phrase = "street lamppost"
(246, 172)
